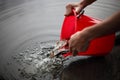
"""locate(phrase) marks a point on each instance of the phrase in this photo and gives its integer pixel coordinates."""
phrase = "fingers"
(71, 6)
(68, 9)
(77, 6)
(73, 49)
(77, 47)
(74, 52)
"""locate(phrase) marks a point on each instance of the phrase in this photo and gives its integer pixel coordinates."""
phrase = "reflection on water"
(5, 4)
(25, 22)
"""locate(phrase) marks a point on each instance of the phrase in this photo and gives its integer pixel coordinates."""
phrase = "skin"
(77, 6)
(81, 39)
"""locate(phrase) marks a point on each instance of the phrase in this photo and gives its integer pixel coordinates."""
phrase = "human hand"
(77, 6)
(79, 42)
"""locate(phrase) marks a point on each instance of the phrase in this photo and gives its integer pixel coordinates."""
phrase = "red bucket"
(98, 47)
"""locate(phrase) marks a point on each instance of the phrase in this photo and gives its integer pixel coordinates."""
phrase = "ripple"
(28, 23)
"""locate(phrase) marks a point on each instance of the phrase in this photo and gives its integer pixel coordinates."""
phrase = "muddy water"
(26, 23)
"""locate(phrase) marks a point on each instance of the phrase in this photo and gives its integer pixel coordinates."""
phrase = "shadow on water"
(94, 68)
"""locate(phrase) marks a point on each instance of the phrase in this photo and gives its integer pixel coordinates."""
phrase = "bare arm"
(80, 40)
(107, 26)
(78, 6)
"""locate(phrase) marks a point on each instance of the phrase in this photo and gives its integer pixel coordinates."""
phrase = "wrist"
(87, 2)
(89, 33)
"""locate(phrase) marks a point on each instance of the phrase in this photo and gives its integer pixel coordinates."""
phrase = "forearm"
(107, 26)
(85, 3)
(88, 2)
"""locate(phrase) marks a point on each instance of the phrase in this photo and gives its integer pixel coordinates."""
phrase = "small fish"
(59, 48)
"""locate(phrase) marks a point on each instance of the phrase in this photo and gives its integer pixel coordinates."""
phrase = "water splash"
(36, 63)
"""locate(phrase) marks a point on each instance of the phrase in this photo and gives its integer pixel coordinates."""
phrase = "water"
(25, 23)
(35, 63)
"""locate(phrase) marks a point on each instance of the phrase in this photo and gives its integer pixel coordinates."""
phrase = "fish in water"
(59, 48)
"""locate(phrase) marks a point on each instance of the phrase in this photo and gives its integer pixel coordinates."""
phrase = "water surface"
(23, 23)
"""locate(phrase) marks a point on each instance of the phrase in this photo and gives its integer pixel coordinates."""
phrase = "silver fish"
(59, 48)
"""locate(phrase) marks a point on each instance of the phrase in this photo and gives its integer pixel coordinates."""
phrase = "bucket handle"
(78, 15)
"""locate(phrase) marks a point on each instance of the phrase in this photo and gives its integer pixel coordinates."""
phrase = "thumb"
(69, 8)
(79, 8)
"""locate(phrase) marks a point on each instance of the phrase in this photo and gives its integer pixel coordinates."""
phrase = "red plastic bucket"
(98, 47)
